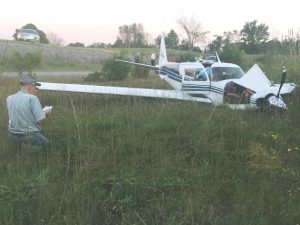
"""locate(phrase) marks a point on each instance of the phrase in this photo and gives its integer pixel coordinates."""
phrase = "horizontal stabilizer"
(142, 92)
(136, 64)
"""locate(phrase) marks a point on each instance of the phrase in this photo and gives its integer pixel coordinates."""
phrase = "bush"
(22, 63)
(113, 70)
(231, 54)
(187, 57)
(94, 77)
(140, 71)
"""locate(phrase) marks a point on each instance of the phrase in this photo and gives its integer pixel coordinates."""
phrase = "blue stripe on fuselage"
(195, 87)
(189, 87)
(170, 74)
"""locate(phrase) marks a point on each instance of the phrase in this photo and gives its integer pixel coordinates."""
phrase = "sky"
(94, 21)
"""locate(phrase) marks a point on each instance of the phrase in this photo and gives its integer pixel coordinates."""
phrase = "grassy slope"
(119, 160)
(62, 63)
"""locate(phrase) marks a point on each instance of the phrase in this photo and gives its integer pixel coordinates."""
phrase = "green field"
(126, 160)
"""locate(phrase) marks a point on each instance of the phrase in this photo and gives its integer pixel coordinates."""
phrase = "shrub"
(22, 63)
(232, 54)
(187, 57)
(115, 71)
(140, 71)
(94, 77)
(111, 71)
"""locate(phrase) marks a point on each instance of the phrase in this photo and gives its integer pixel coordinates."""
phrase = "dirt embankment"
(55, 54)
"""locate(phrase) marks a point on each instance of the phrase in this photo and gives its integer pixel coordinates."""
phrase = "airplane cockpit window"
(225, 73)
(200, 74)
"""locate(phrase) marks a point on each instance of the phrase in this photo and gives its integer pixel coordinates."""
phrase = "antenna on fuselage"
(162, 52)
(218, 59)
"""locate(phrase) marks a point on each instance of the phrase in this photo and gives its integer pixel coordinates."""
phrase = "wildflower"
(275, 136)
(289, 149)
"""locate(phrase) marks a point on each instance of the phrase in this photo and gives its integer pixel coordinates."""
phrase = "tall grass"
(125, 160)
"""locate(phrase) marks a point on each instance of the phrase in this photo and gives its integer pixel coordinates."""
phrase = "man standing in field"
(25, 114)
(153, 59)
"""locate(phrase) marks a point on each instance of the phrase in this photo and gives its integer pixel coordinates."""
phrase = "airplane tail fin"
(162, 52)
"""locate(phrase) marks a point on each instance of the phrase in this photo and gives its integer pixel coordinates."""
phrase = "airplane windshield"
(224, 73)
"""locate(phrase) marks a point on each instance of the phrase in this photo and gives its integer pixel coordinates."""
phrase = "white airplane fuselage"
(230, 88)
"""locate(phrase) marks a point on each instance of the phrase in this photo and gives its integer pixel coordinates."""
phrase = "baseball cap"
(28, 80)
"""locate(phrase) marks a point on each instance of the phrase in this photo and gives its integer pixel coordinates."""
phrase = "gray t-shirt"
(24, 111)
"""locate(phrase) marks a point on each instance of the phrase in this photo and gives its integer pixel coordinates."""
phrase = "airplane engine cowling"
(271, 101)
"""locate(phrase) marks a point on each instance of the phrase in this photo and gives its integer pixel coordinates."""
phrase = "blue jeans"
(29, 138)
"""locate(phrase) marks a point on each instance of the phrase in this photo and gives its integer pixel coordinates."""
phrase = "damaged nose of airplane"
(277, 102)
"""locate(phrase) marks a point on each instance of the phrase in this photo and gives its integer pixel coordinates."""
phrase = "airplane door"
(195, 80)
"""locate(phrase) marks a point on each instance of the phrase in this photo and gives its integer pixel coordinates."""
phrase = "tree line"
(253, 38)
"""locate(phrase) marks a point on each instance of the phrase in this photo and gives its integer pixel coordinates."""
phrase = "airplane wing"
(142, 92)
(257, 81)
(286, 88)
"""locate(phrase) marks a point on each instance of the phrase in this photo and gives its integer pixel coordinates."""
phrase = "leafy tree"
(231, 53)
(132, 36)
(172, 39)
(217, 44)
(125, 36)
(138, 34)
(275, 46)
(184, 45)
(77, 44)
(228, 37)
(227, 47)
(157, 40)
(43, 38)
(99, 45)
(22, 63)
(193, 30)
(232, 36)
(54, 39)
(118, 43)
(253, 36)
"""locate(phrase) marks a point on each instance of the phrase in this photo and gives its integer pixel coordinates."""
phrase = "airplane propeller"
(282, 80)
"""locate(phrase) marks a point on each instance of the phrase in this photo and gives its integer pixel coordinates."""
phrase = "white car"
(209, 60)
(28, 35)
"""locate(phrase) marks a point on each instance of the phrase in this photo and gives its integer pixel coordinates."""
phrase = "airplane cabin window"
(189, 73)
(197, 74)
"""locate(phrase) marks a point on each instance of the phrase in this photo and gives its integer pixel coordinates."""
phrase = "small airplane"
(216, 83)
